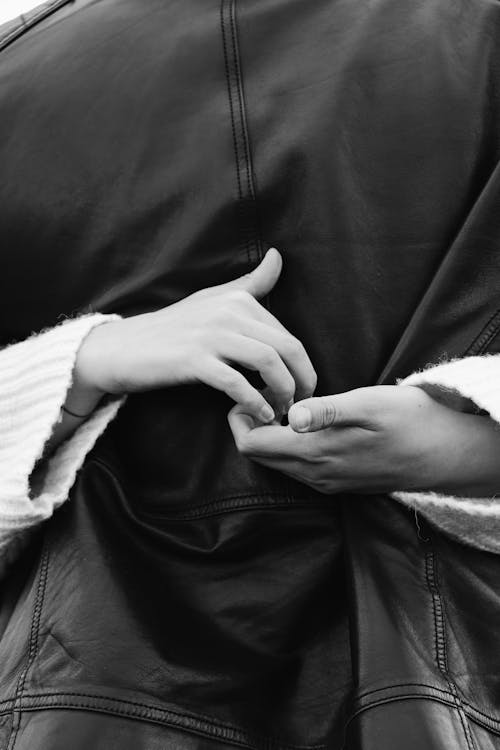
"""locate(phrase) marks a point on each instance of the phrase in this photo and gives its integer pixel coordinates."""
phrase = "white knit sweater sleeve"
(475, 521)
(35, 376)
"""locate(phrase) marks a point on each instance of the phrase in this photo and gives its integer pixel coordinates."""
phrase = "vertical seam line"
(32, 648)
(233, 124)
(244, 127)
(241, 145)
(440, 643)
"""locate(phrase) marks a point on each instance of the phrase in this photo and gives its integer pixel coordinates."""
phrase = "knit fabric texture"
(475, 521)
(35, 376)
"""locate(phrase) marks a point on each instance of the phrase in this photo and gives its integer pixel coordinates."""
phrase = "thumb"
(262, 279)
(318, 413)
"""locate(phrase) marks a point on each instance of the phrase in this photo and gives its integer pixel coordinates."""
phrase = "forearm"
(37, 376)
(467, 506)
(472, 459)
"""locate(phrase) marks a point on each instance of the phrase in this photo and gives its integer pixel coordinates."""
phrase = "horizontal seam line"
(401, 684)
(221, 730)
(402, 697)
(259, 496)
(227, 505)
(474, 714)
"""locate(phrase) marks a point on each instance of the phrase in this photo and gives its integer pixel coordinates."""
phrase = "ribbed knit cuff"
(35, 376)
(475, 521)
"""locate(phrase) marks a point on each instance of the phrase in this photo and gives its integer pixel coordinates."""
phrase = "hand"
(378, 439)
(199, 340)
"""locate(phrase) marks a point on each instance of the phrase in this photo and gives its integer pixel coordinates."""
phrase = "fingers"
(224, 378)
(258, 323)
(292, 353)
(270, 441)
(314, 414)
(241, 425)
(252, 337)
(261, 280)
(257, 355)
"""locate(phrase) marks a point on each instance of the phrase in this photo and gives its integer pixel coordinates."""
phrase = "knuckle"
(293, 346)
(231, 381)
(267, 357)
(328, 412)
(284, 388)
(308, 384)
(288, 386)
(241, 445)
(249, 398)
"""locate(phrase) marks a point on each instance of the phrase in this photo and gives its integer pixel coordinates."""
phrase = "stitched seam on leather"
(45, 12)
(485, 337)
(238, 501)
(472, 713)
(252, 502)
(226, 508)
(32, 648)
(440, 641)
(391, 686)
(383, 701)
(478, 717)
(470, 710)
(241, 146)
(233, 124)
(482, 718)
(237, 69)
(251, 196)
(494, 719)
(158, 715)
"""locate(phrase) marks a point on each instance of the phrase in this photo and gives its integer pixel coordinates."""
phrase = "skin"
(368, 440)
(201, 339)
(377, 439)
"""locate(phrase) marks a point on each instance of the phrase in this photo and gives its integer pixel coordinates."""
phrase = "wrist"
(82, 397)
(467, 464)
(90, 380)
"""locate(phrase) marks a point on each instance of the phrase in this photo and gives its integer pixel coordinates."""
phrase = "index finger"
(259, 281)
(266, 440)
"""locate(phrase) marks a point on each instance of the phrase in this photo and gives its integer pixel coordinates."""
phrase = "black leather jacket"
(186, 597)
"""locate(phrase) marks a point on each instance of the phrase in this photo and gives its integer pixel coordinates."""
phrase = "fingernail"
(302, 418)
(266, 414)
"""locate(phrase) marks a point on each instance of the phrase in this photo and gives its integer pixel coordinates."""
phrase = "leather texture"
(185, 597)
